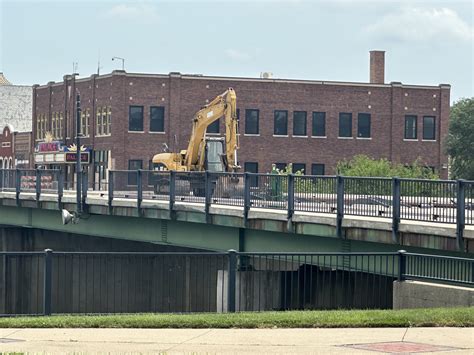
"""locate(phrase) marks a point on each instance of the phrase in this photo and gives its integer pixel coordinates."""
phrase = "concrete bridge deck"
(222, 227)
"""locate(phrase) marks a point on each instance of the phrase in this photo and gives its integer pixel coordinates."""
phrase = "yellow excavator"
(204, 153)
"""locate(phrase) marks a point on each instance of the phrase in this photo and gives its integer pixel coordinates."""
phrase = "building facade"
(127, 117)
(16, 106)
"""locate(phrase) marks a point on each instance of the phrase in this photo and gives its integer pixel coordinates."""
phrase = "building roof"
(3, 80)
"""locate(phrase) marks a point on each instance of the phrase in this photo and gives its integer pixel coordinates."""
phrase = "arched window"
(11, 163)
(1, 163)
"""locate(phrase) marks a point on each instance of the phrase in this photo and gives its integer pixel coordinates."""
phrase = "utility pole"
(78, 155)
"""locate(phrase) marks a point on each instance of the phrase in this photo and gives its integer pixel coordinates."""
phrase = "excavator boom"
(193, 159)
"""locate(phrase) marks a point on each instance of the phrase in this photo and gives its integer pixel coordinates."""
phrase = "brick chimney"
(377, 67)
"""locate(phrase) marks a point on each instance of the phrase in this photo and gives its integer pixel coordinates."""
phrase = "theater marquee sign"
(53, 152)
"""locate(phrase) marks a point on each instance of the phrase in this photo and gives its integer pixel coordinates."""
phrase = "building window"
(61, 125)
(280, 123)
(41, 126)
(214, 127)
(410, 127)
(251, 121)
(85, 116)
(53, 124)
(103, 121)
(299, 123)
(363, 125)
(157, 119)
(98, 123)
(150, 174)
(251, 167)
(429, 126)
(101, 164)
(319, 124)
(135, 119)
(45, 125)
(108, 130)
(56, 128)
(82, 119)
(299, 167)
(38, 125)
(345, 124)
(317, 169)
(134, 165)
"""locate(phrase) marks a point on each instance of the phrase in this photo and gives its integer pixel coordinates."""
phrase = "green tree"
(460, 142)
(362, 165)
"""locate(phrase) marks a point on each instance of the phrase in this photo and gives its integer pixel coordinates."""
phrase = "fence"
(47, 181)
(111, 282)
(438, 201)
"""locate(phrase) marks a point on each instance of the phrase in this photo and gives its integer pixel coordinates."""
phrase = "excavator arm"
(231, 131)
(223, 105)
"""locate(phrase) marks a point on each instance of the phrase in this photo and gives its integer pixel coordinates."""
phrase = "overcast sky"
(426, 42)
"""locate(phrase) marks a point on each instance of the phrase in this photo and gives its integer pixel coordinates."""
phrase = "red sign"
(71, 157)
(49, 147)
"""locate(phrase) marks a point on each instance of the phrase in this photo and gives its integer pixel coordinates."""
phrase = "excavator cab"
(215, 155)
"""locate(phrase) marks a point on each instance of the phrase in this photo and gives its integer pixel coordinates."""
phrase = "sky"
(426, 42)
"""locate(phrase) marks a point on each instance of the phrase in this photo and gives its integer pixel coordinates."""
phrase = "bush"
(362, 165)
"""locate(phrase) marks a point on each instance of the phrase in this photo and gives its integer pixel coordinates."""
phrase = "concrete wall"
(306, 287)
(103, 283)
(416, 294)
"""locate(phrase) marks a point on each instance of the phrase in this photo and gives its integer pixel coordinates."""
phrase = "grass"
(434, 317)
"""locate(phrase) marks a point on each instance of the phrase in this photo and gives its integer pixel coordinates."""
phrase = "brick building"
(126, 118)
(15, 124)
(15, 105)
(7, 161)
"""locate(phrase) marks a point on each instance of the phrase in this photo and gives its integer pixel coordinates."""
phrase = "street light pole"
(78, 155)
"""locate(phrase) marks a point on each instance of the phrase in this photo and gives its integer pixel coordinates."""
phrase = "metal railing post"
(246, 197)
(231, 280)
(60, 187)
(111, 190)
(139, 190)
(402, 259)
(340, 205)
(17, 186)
(38, 184)
(85, 187)
(395, 209)
(207, 194)
(48, 266)
(460, 213)
(172, 192)
(291, 195)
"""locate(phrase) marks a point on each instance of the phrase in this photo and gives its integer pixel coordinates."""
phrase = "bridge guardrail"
(438, 201)
(439, 268)
(55, 282)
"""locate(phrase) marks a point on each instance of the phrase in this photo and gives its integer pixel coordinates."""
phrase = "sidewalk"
(239, 341)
